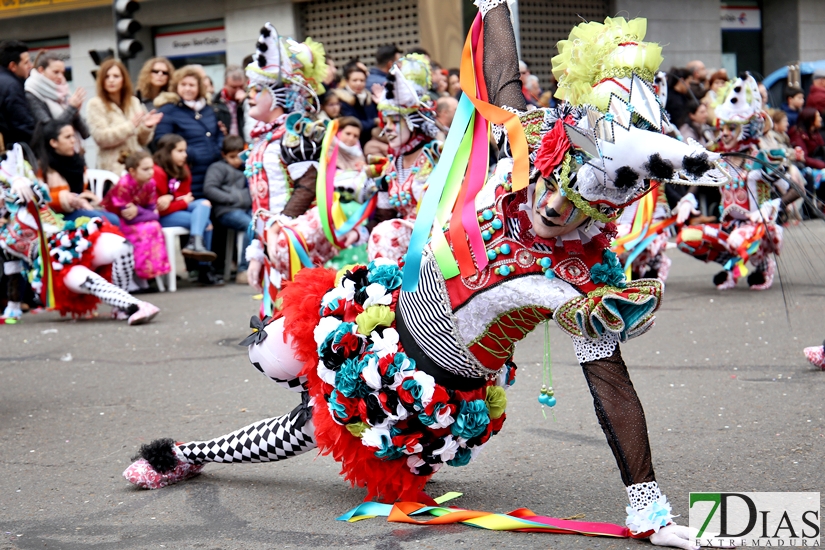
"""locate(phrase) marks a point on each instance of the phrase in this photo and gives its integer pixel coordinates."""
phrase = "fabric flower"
(324, 327)
(371, 375)
(385, 274)
(357, 429)
(348, 379)
(496, 401)
(610, 272)
(472, 419)
(374, 316)
(653, 517)
(341, 408)
(448, 450)
(377, 294)
(385, 343)
(553, 146)
(462, 457)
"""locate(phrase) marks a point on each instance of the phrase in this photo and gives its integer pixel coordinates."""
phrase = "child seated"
(225, 185)
(176, 205)
(134, 199)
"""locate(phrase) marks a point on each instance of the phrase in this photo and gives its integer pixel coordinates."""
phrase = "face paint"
(553, 214)
(396, 131)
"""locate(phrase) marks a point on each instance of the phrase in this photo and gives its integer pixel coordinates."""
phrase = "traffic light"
(125, 28)
(99, 56)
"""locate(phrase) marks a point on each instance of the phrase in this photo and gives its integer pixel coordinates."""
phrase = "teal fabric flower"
(388, 451)
(388, 276)
(398, 361)
(609, 272)
(472, 419)
(462, 457)
(337, 408)
(348, 379)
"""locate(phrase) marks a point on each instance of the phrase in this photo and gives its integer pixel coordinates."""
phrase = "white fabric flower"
(377, 295)
(427, 384)
(443, 419)
(371, 375)
(372, 437)
(324, 327)
(654, 516)
(448, 451)
(325, 374)
(386, 344)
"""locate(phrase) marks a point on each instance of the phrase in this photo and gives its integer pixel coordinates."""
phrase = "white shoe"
(145, 313)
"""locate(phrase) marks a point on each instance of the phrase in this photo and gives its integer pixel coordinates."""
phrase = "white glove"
(767, 213)
(686, 207)
(735, 240)
(22, 187)
(253, 274)
(680, 536)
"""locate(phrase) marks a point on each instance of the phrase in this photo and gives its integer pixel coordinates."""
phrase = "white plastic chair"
(97, 181)
(234, 243)
(171, 237)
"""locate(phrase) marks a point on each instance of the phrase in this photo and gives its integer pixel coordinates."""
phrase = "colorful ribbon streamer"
(522, 519)
(461, 174)
(47, 275)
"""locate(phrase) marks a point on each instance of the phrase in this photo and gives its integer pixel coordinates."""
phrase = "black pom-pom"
(262, 61)
(737, 89)
(626, 177)
(720, 278)
(698, 165)
(659, 168)
(265, 31)
(756, 278)
(159, 454)
(262, 46)
(734, 100)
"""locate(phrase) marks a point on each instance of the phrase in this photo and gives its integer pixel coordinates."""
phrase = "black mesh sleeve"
(621, 417)
(501, 73)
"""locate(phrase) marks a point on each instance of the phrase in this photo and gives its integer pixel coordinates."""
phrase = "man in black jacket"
(229, 102)
(16, 123)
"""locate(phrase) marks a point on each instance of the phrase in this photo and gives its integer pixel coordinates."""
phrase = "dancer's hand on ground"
(253, 274)
(680, 536)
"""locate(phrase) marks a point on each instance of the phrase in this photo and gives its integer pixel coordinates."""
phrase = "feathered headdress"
(293, 71)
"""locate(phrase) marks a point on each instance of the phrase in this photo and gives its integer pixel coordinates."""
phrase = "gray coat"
(226, 188)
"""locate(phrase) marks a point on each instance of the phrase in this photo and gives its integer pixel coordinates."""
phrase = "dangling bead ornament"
(547, 395)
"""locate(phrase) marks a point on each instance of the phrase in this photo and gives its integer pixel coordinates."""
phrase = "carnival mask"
(553, 213)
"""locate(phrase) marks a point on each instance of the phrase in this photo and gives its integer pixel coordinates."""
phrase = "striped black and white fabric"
(267, 440)
(429, 318)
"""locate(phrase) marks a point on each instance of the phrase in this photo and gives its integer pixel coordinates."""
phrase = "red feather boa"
(359, 465)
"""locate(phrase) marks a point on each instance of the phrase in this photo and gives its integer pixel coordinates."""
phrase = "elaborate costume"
(747, 228)
(406, 367)
(71, 265)
(285, 77)
(408, 112)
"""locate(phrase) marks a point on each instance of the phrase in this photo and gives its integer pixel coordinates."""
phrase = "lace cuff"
(485, 6)
(255, 251)
(591, 350)
(649, 509)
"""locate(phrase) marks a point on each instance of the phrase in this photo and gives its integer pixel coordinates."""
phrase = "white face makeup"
(260, 103)
(396, 131)
(553, 213)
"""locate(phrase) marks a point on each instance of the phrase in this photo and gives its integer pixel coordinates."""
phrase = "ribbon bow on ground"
(258, 333)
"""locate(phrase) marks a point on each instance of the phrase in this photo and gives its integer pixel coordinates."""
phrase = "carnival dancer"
(747, 228)
(72, 265)
(396, 382)
(407, 112)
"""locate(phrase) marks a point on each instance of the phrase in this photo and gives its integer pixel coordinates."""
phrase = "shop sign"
(741, 18)
(188, 43)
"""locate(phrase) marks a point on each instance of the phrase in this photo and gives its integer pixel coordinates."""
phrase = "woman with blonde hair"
(117, 120)
(153, 79)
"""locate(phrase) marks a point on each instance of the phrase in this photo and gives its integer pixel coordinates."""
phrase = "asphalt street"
(731, 405)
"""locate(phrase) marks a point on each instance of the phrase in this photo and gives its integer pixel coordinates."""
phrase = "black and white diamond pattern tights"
(109, 293)
(267, 440)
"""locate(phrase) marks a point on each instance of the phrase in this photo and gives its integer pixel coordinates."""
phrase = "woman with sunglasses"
(154, 79)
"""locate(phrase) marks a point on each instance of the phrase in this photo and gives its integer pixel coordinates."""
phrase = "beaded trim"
(576, 198)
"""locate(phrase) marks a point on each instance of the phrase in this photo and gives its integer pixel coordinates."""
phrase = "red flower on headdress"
(553, 146)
